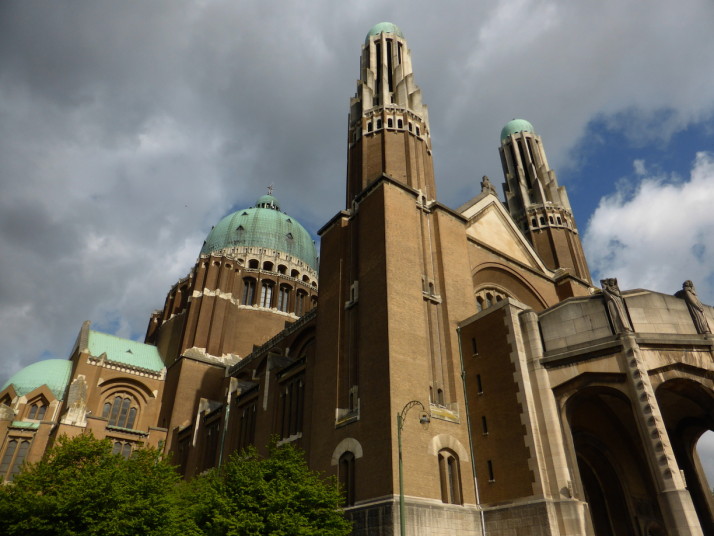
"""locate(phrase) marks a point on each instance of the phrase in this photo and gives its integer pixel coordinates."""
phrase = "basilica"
(456, 369)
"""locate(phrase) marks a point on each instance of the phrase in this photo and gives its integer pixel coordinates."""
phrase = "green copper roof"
(128, 352)
(517, 125)
(26, 425)
(52, 372)
(263, 226)
(384, 27)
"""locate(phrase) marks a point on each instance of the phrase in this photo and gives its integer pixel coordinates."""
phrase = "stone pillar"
(675, 502)
(555, 474)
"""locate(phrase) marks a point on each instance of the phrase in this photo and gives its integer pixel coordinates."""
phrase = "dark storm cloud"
(128, 129)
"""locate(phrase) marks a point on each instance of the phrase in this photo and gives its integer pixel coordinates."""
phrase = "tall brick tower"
(389, 265)
(538, 205)
(389, 124)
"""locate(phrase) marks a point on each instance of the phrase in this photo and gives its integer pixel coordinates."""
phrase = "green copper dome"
(264, 226)
(384, 27)
(517, 125)
(52, 372)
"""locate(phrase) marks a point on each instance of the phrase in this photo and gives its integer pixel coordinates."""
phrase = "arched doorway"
(613, 470)
(687, 409)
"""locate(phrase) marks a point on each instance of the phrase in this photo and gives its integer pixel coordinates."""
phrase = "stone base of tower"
(381, 518)
(535, 518)
(538, 518)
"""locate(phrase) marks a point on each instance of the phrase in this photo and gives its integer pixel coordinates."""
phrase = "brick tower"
(537, 203)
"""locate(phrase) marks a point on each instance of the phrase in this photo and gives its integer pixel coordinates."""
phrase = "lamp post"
(424, 419)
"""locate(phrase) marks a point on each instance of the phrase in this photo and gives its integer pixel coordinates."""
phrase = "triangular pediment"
(490, 224)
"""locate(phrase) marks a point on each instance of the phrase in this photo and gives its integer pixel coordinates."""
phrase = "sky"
(127, 129)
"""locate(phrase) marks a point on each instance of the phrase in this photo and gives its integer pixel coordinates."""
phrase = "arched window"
(283, 298)
(121, 448)
(400, 123)
(450, 476)
(379, 124)
(282, 269)
(268, 266)
(121, 411)
(253, 264)
(346, 475)
(248, 291)
(390, 123)
(37, 410)
(369, 126)
(266, 294)
(12, 459)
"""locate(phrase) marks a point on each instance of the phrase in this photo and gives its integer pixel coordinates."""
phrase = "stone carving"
(696, 309)
(615, 305)
(487, 186)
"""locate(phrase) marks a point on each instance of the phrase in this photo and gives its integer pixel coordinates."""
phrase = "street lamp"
(423, 419)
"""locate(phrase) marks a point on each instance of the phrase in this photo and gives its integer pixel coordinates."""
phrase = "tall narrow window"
(450, 476)
(266, 294)
(299, 303)
(246, 433)
(491, 477)
(484, 425)
(15, 454)
(248, 291)
(8, 457)
(479, 386)
(19, 458)
(292, 398)
(346, 476)
(474, 346)
(210, 445)
(389, 65)
(283, 298)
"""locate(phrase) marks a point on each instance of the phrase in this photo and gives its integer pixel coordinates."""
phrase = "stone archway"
(613, 469)
(687, 409)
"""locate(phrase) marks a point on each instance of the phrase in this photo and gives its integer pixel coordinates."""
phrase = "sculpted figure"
(487, 185)
(696, 309)
(615, 305)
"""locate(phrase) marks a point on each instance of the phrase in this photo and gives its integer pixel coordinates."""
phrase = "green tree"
(278, 495)
(80, 487)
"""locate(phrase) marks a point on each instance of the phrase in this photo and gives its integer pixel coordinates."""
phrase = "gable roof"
(490, 223)
(125, 351)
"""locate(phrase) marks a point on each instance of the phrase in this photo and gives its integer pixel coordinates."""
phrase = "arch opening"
(614, 474)
(687, 409)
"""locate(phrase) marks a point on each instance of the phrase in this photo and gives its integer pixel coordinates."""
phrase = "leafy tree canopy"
(80, 487)
(278, 495)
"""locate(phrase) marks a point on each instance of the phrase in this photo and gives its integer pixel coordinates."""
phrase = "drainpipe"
(468, 429)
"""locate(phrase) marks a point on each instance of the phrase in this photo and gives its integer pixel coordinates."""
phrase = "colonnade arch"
(614, 472)
(687, 409)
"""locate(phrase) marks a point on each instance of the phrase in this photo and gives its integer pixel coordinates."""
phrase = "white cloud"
(660, 234)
